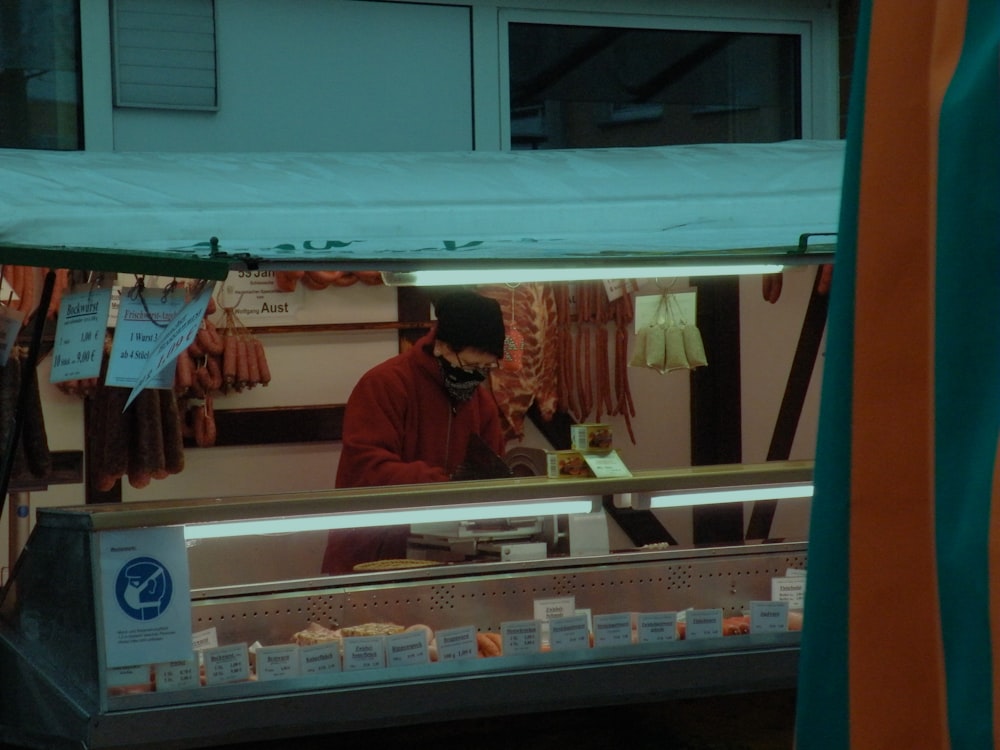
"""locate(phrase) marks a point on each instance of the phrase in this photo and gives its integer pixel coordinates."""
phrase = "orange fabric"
(994, 585)
(892, 566)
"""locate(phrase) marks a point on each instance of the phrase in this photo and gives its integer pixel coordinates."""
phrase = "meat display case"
(70, 677)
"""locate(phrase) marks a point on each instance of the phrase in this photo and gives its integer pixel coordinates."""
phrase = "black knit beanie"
(467, 319)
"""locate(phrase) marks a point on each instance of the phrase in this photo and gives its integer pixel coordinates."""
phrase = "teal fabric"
(967, 370)
(822, 708)
(822, 704)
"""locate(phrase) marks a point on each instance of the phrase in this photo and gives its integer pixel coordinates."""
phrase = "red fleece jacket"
(400, 427)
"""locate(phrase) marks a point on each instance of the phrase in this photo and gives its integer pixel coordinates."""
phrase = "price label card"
(177, 675)
(613, 630)
(791, 589)
(10, 326)
(80, 330)
(128, 676)
(208, 638)
(655, 627)
(364, 652)
(406, 649)
(768, 617)
(568, 633)
(320, 658)
(521, 637)
(608, 464)
(141, 320)
(457, 643)
(277, 662)
(703, 623)
(178, 335)
(227, 664)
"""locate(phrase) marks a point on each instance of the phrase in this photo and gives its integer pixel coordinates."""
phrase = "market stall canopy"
(158, 212)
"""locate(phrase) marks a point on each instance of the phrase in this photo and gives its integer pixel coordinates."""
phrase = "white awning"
(398, 211)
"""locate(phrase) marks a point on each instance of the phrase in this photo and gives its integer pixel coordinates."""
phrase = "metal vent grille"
(164, 54)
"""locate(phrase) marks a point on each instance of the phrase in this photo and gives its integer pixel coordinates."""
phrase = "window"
(576, 86)
(165, 54)
(40, 89)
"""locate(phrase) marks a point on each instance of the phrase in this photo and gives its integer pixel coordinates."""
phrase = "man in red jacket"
(409, 419)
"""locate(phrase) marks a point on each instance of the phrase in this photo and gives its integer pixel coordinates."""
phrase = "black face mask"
(459, 383)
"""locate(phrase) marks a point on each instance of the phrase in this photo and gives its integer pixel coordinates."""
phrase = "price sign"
(141, 320)
(80, 328)
(177, 337)
(457, 643)
(227, 664)
(177, 675)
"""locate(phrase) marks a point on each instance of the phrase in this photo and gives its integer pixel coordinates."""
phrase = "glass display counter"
(203, 623)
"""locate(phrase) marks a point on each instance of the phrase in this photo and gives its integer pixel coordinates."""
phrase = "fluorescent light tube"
(359, 519)
(446, 277)
(731, 495)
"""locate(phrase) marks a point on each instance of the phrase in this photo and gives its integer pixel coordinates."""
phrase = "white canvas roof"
(396, 211)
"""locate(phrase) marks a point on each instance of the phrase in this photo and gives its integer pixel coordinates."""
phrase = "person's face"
(469, 359)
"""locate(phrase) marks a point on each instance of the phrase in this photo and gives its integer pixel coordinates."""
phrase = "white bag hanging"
(694, 347)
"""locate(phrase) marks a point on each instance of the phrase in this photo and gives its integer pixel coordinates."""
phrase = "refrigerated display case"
(174, 624)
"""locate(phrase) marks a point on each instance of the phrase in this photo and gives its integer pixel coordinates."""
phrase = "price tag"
(128, 676)
(406, 649)
(10, 326)
(457, 643)
(320, 658)
(208, 638)
(608, 464)
(141, 320)
(791, 589)
(175, 338)
(80, 329)
(277, 662)
(613, 630)
(227, 664)
(654, 627)
(768, 617)
(521, 637)
(177, 675)
(364, 652)
(703, 623)
(568, 633)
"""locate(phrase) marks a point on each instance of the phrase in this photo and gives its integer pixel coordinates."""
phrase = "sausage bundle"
(143, 442)
(32, 456)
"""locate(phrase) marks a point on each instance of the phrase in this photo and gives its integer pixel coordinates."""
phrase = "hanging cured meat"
(592, 375)
(529, 312)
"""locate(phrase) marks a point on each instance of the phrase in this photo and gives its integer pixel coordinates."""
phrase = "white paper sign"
(80, 331)
(607, 464)
(457, 643)
(320, 658)
(791, 589)
(177, 675)
(208, 638)
(256, 299)
(128, 676)
(521, 637)
(703, 623)
(145, 596)
(407, 649)
(768, 617)
(655, 627)
(172, 340)
(568, 633)
(277, 662)
(613, 630)
(141, 320)
(364, 652)
(227, 664)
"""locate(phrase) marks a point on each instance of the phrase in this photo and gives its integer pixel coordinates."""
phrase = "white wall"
(315, 75)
